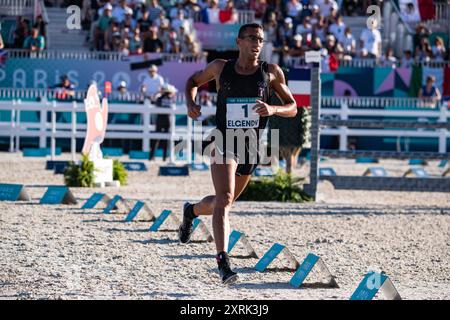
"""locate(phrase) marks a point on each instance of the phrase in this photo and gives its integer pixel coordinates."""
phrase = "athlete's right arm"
(199, 78)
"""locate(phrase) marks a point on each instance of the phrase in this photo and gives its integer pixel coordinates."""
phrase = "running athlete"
(243, 87)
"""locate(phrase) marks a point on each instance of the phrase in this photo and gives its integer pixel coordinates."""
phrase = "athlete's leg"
(223, 176)
(206, 205)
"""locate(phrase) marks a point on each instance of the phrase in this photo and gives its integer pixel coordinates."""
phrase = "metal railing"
(98, 55)
(16, 7)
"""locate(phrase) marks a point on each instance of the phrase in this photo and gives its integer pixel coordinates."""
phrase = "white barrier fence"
(16, 129)
(343, 108)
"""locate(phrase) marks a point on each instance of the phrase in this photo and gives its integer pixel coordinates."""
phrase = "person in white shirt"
(338, 28)
(348, 42)
(438, 49)
(371, 41)
(152, 83)
(411, 15)
(304, 28)
(388, 60)
(180, 21)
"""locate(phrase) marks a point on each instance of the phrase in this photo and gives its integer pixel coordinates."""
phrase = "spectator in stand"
(293, 8)
(305, 29)
(166, 99)
(173, 12)
(172, 44)
(338, 28)
(119, 11)
(21, 32)
(350, 7)
(122, 92)
(154, 9)
(128, 22)
(152, 83)
(286, 32)
(388, 60)
(330, 43)
(438, 49)
(124, 46)
(407, 60)
(315, 15)
(370, 40)
(348, 43)
(102, 27)
(189, 46)
(268, 52)
(41, 26)
(424, 52)
(143, 20)
(2, 45)
(429, 92)
(161, 20)
(320, 29)
(65, 89)
(296, 50)
(152, 44)
(229, 14)
(326, 6)
(421, 32)
(136, 42)
(259, 6)
(112, 37)
(179, 21)
(411, 16)
(34, 42)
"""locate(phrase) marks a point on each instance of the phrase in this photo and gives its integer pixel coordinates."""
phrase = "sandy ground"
(64, 252)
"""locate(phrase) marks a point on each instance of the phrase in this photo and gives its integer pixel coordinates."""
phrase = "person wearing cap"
(102, 26)
(165, 99)
(152, 83)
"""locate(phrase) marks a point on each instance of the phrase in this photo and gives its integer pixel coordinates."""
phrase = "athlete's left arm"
(278, 84)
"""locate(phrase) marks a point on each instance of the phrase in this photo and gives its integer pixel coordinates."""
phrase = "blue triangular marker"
(369, 286)
(134, 166)
(327, 172)
(199, 166)
(234, 238)
(13, 192)
(140, 155)
(134, 211)
(93, 200)
(112, 204)
(58, 195)
(443, 163)
(419, 172)
(173, 171)
(304, 269)
(269, 256)
(159, 221)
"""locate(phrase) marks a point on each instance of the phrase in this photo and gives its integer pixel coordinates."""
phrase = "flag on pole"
(299, 82)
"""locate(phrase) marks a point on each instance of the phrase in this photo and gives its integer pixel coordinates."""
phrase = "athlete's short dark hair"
(244, 28)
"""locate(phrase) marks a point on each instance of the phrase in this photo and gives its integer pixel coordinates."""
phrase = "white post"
(18, 125)
(146, 122)
(172, 134)
(73, 141)
(343, 129)
(189, 140)
(443, 132)
(43, 124)
(53, 139)
(13, 127)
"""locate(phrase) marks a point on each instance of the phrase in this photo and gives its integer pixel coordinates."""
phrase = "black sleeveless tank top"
(235, 87)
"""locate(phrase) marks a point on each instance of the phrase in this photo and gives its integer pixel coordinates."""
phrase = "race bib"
(240, 113)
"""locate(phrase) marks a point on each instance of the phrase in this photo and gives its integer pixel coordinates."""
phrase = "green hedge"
(281, 187)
